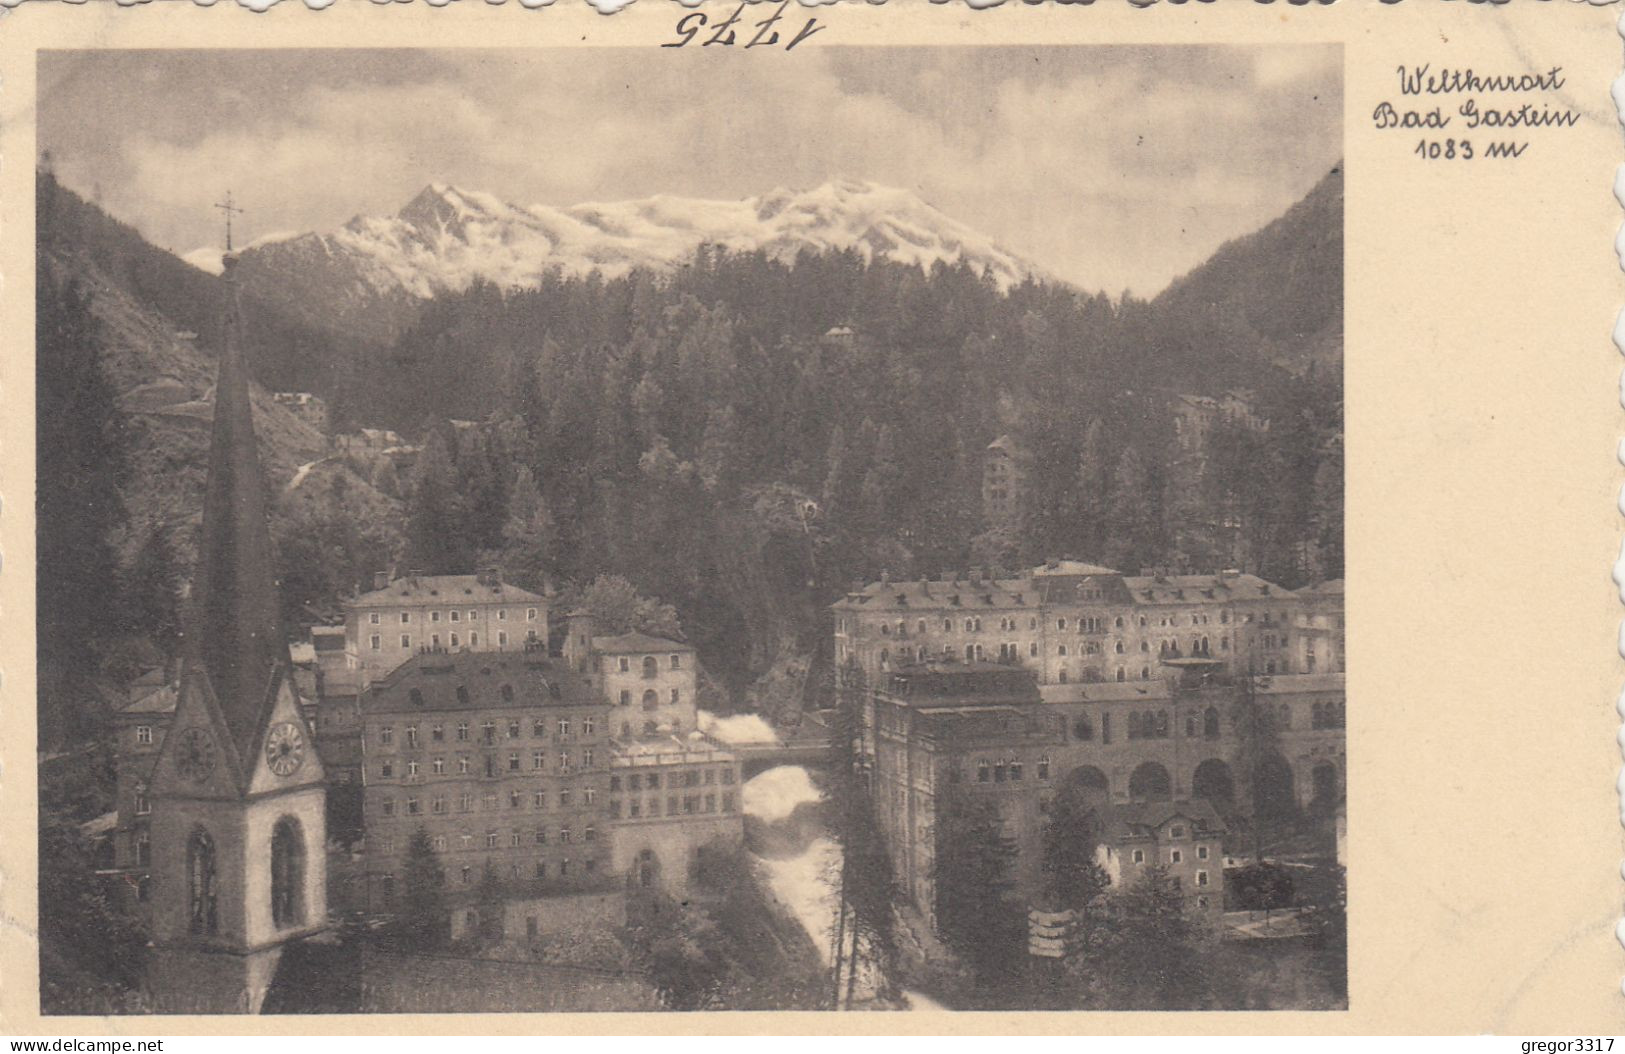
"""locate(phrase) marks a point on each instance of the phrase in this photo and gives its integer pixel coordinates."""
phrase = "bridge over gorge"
(807, 745)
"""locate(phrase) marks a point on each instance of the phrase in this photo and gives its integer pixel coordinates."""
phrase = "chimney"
(578, 644)
(413, 575)
(885, 577)
(488, 576)
(380, 580)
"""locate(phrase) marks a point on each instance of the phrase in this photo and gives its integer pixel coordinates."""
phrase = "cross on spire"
(228, 207)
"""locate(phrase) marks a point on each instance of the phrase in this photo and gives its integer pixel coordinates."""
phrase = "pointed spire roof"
(237, 624)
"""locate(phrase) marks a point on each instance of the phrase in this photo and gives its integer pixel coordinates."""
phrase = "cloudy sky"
(1114, 167)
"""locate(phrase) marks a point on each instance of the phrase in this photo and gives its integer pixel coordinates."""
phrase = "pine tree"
(972, 874)
(1152, 956)
(1072, 877)
(423, 909)
(490, 900)
(865, 940)
(436, 539)
(1130, 517)
(720, 458)
(527, 536)
(152, 590)
(81, 469)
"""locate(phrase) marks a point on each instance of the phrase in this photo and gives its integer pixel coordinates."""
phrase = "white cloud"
(1111, 168)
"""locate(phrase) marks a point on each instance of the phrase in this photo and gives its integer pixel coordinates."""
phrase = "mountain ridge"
(373, 269)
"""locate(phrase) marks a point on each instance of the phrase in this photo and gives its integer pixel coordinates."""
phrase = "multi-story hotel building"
(560, 773)
(502, 758)
(1009, 690)
(1073, 622)
(401, 617)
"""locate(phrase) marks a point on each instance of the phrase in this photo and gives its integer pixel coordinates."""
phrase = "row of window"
(441, 805)
(563, 728)
(1326, 715)
(689, 778)
(467, 876)
(651, 666)
(1080, 624)
(1002, 770)
(651, 698)
(412, 768)
(686, 805)
(494, 839)
(376, 641)
(1176, 856)
(376, 618)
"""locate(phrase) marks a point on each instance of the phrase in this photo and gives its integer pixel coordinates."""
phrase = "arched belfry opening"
(287, 873)
(202, 885)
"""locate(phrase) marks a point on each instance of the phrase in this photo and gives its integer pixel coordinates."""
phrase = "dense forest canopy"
(705, 435)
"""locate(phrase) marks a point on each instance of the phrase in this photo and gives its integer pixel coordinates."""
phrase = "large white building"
(414, 613)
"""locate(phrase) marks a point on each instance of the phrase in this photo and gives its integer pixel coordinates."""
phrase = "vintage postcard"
(1047, 511)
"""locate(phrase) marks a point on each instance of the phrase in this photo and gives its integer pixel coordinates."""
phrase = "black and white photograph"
(631, 529)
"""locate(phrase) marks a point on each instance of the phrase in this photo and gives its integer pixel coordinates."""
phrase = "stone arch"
(202, 883)
(287, 872)
(1212, 780)
(1089, 784)
(1273, 794)
(1150, 782)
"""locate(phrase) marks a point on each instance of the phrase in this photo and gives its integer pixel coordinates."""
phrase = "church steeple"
(236, 623)
(238, 828)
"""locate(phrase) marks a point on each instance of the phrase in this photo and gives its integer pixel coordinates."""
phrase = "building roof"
(1095, 586)
(1142, 819)
(1225, 588)
(236, 623)
(1104, 691)
(1330, 588)
(971, 596)
(636, 643)
(1071, 567)
(474, 680)
(158, 699)
(957, 684)
(448, 589)
(1062, 582)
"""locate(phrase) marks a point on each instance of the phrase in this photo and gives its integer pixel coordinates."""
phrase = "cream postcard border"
(1482, 410)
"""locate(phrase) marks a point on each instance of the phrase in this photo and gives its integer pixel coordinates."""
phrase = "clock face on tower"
(195, 759)
(285, 748)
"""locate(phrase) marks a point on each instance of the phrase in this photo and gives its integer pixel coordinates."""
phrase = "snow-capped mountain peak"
(447, 236)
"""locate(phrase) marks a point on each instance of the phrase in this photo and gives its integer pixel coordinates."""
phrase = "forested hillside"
(706, 435)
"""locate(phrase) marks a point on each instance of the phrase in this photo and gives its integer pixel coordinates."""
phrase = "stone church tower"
(238, 800)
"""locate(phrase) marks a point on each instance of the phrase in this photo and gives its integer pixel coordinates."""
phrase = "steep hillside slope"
(1277, 292)
(163, 371)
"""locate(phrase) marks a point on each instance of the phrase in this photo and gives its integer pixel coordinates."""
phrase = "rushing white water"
(803, 884)
(806, 883)
(774, 795)
(738, 728)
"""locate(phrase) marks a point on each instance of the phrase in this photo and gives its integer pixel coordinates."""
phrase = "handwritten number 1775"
(689, 26)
